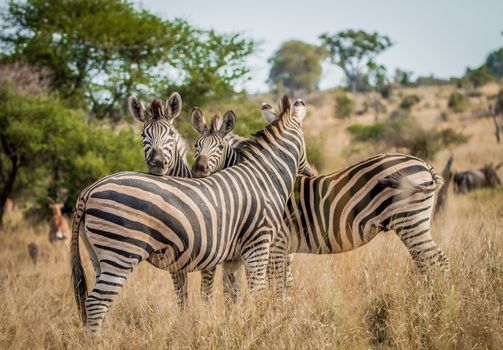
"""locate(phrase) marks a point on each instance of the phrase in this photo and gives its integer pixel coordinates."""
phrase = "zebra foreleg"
(278, 269)
(207, 278)
(231, 274)
(256, 258)
(180, 284)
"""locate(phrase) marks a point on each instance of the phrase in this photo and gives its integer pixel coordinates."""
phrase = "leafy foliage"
(98, 52)
(406, 133)
(354, 51)
(494, 63)
(296, 67)
(47, 147)
(457, 102)
(344, 106)
(409, 101)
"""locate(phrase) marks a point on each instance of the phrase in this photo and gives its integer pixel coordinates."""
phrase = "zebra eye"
(171, 132)
(221, 146)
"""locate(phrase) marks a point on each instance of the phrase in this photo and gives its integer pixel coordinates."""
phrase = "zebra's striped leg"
(289, 272)
(180, 284)
(424, 251)
(207, 278)
(278, 269)
(108, 284)
(256, 258)
(231, 278)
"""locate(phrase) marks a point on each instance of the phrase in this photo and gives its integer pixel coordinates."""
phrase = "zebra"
(339, 212)
(164, 149)
(184, 225)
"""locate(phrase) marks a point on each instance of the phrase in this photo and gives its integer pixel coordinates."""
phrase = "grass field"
(369, 298)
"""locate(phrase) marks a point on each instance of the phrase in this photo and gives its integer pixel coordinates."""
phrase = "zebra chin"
(159, 171)
(200, 174)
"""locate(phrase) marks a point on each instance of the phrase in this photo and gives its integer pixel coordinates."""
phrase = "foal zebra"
(342, 211)
(186, 225)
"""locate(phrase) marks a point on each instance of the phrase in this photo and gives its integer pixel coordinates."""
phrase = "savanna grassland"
(369, 298)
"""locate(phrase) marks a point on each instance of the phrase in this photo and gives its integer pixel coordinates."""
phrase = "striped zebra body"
(336, 213)
(165, 153)
(194, 223)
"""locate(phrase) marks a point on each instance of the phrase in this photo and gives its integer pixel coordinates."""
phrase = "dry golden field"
(369, 298)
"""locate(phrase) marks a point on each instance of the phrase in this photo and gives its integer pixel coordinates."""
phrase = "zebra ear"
(228, 122)
(197, 120)
(299, 109)
(137, 109)
(173, 106)
(268, 113)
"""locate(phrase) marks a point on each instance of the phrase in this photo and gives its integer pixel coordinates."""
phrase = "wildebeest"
(472, 179)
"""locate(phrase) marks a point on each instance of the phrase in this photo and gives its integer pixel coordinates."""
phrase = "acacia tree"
(99, 51)
(296, 67)
(354, 51)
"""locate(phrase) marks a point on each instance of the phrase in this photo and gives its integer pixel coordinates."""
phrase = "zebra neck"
(232, 157)
(180, 167)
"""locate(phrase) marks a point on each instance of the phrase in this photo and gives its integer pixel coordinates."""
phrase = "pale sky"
(430, 36)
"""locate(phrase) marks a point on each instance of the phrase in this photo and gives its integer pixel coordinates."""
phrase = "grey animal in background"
(33, 251)
(469, 180)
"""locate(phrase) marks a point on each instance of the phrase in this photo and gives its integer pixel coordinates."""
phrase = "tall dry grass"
(369, 298)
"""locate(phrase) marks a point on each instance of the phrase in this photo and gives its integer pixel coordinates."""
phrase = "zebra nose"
(201, 167)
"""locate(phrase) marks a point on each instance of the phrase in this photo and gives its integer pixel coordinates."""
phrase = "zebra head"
(160, 138)
(212, 145)
(299, 109)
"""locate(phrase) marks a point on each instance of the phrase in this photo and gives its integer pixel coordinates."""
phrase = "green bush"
(53, 148)
(498, 105)
(344, 106)
(457, 102)
(407, 133)
(408, 101)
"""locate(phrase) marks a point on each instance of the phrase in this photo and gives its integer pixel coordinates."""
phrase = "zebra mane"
(248, 147)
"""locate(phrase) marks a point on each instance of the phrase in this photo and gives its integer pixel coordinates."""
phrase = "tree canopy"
(354, 51)
(296, 67)
(46, 147)
(98, 52)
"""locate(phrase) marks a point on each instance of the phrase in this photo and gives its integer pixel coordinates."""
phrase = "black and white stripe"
(185, 225)
(335, 213)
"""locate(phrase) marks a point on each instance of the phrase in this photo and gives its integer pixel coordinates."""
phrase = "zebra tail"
(400, 181)
(78, 274)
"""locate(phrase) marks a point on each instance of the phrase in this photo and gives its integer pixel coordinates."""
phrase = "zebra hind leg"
(108, 285)
(421, 246)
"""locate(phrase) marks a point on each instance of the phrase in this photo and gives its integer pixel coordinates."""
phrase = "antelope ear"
(197, 120)
(228, 122)
(299, 109)
(137, 109)
(173, 106)
(268, 112)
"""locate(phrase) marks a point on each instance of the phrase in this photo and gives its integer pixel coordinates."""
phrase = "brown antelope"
(59, 231)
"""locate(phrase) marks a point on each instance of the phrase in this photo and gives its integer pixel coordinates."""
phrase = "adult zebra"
(185, 225)
(342, 211)
(165, 155)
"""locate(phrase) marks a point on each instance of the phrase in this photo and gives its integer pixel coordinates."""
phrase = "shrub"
(407, 133)
(344, 106)
(409, 101)
(498, 105)
(386, 91)
(457, 102)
